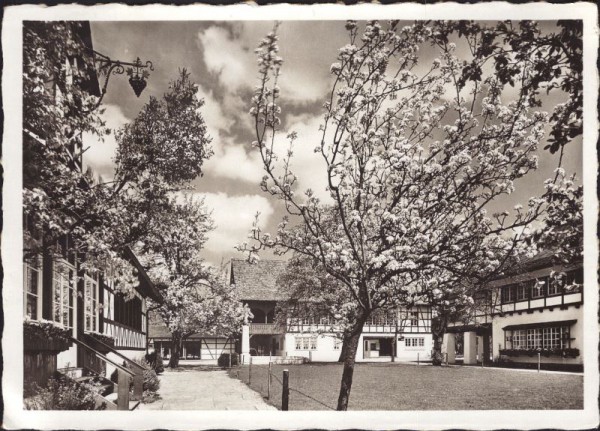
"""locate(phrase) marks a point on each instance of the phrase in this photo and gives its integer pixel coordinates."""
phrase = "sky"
(220, 58)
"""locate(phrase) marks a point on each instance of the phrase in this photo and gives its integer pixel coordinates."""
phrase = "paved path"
(196, 388)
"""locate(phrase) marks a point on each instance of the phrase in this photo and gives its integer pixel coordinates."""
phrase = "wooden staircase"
(120, 399)
(107, 394)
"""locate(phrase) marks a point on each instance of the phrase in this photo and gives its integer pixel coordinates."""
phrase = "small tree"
(412, 158)
(195, 298)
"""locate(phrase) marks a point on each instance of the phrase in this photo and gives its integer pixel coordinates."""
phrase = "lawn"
(411, 387)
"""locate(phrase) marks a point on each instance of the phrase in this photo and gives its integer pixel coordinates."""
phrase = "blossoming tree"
(196, 298)
(159, 152)
(413, 158)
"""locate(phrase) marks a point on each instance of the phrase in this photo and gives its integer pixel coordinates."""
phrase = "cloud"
(212, 112)
(230, 160)
(308, 166)
(233, 217)
(100, 155)
(225, 56)
(230, 55)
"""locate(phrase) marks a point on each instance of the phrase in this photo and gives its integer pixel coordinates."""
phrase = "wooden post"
(269, 383)
(138, 385)
(539, 360)
(230, 359)
(250, 371)
(446, 359)
(418, 363)
(122, 391)
(285, 395)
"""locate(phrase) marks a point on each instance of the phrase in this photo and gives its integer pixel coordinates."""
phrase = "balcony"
(266, 329)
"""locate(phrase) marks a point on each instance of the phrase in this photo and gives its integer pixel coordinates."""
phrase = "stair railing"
(138, 371)
(123, 375)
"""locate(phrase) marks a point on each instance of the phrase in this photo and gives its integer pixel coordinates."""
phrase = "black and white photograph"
(224, 217)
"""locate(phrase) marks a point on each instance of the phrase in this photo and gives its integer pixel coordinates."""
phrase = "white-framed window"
(307, 320)
(553, 337)
(107, 307)
(32, 280)
(413, 318)
(556, 337)
(508, 293)
(304, 342)
(521, 292)
(414, 342)
(63, 293)
(555, 285)
(537, 288)
(534, 338)
(519, 339)
(91, 308)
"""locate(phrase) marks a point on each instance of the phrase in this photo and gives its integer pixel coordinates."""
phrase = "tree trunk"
(349, 349)
(176, 340)
(342, 357)
(438, 328)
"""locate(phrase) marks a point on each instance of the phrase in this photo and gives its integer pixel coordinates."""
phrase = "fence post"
(446, 359)
(229, 359)
(539, 360)
(138, 385)
(418, 362)
(269, 383)
(122, 391)
(250, 371)
(285, 395)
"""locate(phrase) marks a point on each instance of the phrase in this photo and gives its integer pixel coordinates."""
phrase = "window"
(537, 288)
(63, 293)
(337, 344)
(534, 338)
(414, 342)
(91, 304)
(508, 294)
(553, 337)
(33, 288)
(306, 342)
(414, 318)
(519, 339)
(556, 284)
(324, 320)
(521, 292)
(128, 312)
(541, 338)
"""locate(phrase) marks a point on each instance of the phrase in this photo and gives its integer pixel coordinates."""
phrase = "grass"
(410, 387)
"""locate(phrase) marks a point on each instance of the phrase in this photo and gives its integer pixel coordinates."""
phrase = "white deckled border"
(15, 417)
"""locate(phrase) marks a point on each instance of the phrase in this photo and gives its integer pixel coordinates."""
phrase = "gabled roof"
(536, 266)
(257, 281)
(146, 287)
(158, 330)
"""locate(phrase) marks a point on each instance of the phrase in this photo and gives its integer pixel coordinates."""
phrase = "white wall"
(325, 351)
(405, 353)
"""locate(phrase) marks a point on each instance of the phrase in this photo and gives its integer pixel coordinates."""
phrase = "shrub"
(63, 393)
(223, 360)
(156, 361)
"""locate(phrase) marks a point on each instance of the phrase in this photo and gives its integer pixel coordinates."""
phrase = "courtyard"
(411, 387)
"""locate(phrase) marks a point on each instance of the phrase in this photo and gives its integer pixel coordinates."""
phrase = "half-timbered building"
(403, 334)
(76, 321)
(534, 313)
